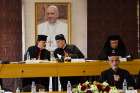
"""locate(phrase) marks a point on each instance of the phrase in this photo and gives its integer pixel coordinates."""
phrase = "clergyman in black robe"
(67, 50)
(114, 46)
(115, 75)
(37, 52)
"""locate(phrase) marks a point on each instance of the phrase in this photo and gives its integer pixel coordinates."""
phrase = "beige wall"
(79, 23)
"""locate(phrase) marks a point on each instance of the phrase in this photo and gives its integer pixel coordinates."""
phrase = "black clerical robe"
(41, 54)
(110, 52)
(72, 50)
(38, 53)
(108, 76)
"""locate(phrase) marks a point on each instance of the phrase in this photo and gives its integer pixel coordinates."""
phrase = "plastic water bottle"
(50, 84)
(17, 90)
(33, 87)
(28, 56)
(52, 56)
(124, 85)
(59, 84)
(69, 88)
(1, 91)
(0, 87)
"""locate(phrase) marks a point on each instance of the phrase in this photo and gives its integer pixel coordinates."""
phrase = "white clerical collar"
(53, 24)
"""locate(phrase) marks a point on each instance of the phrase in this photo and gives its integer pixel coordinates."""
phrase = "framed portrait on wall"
(51, 19)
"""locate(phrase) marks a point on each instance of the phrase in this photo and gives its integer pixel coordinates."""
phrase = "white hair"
(55, 8)
(110, 57)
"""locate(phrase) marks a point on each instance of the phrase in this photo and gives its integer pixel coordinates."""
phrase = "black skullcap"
(59, 37)
(42, 38)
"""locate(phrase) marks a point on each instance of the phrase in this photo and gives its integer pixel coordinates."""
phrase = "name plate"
(37, 61)
(131, 91)
(8, 92)
(77, 60)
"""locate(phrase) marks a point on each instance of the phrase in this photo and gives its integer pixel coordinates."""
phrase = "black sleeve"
(30, 51)
(48, 55)
(102, 77)
(76, 53)
(130, 80)
(128, 55)
(55, 54)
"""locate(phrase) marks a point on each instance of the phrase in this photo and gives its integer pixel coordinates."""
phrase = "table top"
(93, 68)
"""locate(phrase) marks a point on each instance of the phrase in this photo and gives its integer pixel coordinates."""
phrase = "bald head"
(52, 13)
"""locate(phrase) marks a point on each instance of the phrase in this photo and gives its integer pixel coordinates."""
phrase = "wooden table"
(62, 69)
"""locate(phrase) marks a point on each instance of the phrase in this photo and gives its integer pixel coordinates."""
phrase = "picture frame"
(64, 9)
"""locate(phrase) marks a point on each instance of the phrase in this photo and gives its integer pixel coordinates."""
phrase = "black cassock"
(72, 50)
(37, 53)
(108, 76)
(43, 54)
(110, 52)
(120, 50)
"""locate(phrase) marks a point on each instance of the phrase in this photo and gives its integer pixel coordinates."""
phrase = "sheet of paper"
(131, 91)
